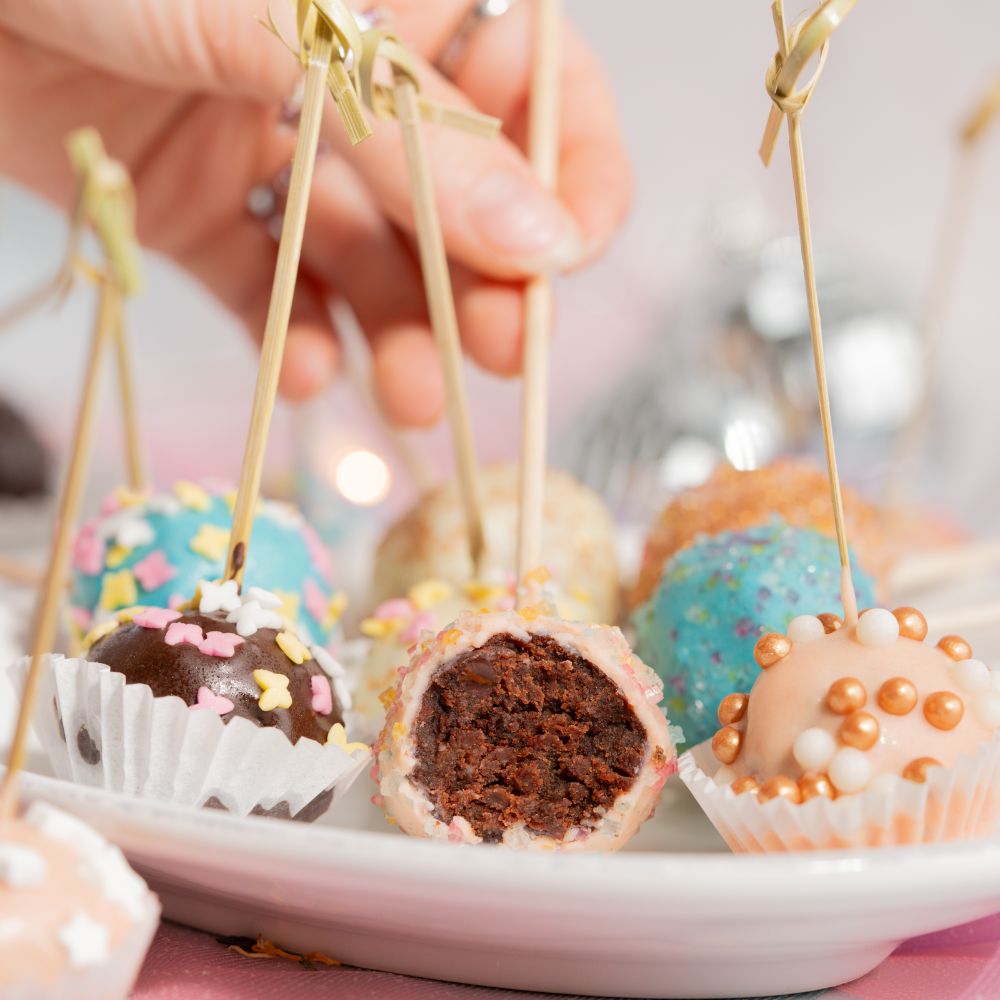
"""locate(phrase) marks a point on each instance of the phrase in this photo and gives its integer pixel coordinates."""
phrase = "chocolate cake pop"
(75, 920)
(521, 729)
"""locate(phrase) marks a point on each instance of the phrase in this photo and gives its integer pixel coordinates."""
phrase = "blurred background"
(702, 280)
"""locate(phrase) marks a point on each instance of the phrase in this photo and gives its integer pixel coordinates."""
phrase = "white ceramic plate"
(674, 917)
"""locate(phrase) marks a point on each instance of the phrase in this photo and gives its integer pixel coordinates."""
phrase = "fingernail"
(512, 214)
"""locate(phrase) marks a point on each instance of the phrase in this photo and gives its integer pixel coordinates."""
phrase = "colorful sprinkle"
(211, 541)
(274, 690)
(293, 647)
(450, 637)
(117, 554)
(422, 622)
(337, 737)
(88, 550)
(180, 632)
(398, 731)
(398, 608)
(155, 617)
(334, 609)
(98, 632)
(214, 597)
(380, 628)
(289, 607)
(192, 495)
(314, 599)
(429, 593)
(250, 616)
(119, 590)
(154, 571)
(220, 644)
(322, 696)
(217, 703)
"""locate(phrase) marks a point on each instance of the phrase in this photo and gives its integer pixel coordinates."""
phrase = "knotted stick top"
(797, 45)
(982, 115)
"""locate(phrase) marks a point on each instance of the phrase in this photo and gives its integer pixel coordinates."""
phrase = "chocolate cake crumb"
(526, 732)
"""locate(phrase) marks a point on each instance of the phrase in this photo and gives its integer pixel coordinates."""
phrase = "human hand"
(188, 94)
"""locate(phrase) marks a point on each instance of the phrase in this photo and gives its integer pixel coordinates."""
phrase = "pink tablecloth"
(960, 964)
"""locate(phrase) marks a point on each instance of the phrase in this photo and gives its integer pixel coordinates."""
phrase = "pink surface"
(959, 964)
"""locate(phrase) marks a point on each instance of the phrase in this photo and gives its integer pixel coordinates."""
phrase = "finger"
(407, 375)
(490, 317)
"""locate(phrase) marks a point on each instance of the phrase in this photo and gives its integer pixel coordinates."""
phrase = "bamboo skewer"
(57, 571)
(794, 52)
(18, 573)
(543, 151)
(135, 471)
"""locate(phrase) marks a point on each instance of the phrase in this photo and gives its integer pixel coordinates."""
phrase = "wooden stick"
(793, 113)
(130, 422)
(57, 571)
(543, 149)
(17, 573)
(282, 294)
(441, 305)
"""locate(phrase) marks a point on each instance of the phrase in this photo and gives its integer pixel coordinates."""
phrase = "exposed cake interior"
(526, 732)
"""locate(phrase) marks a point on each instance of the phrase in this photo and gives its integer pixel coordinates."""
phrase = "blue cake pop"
(718, 596)
(153, 550)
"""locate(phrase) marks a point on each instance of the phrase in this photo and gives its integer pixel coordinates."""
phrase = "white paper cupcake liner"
(957, 803)
(97, 730)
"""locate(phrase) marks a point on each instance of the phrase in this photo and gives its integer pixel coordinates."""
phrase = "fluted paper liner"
(99, 731)
(956, 803)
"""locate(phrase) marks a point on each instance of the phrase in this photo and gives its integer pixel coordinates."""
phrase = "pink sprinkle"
(88, 550)
(184, 632)
(176, 600)
(423, 621)
(221, 644)
(111, 505)
(398, 607)
(154, 570)
(315, 602)
(207, 698)
(318, 553)
(81, 617)
(507, 604)
(156, 617)
(322, 696)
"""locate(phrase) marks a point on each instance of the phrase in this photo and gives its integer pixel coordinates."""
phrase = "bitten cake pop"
(154, 550)
(861, 712)
(714, 600)
(75, 920)
(521, 729)
(579, 545)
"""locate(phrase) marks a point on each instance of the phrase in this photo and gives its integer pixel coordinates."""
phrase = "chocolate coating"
(24, 464)
(528, 732)
(142, 655)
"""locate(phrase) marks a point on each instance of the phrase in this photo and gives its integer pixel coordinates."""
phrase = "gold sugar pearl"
(860, 730)
(897, 696)
(943, 709)
(733, 708)
(831, 622)
(771, 648)
(726, 744)
(956, 647)
(916, 770)
(912, 624)
(812, 786)
(746, 784)
(780, 785)
(846, 695)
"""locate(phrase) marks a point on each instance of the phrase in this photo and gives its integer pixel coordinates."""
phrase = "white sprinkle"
(64, 828)
(877, 627)
(168, 506)
(850, 770)
(21, 867)
(327, 663)
(805, 628)
(987, 709)
(265, 598)
(134, 532)
(110, 872)
(813, 749)
(972, 676)
(86, 941)
(223, 596)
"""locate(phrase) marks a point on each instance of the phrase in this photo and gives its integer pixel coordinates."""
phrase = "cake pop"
(75, 920)
(24, 464)
(153, 550)
(521, 729)
(717, 596)
(579, 549)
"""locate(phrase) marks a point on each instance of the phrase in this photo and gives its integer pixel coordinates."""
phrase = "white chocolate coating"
(604, 647)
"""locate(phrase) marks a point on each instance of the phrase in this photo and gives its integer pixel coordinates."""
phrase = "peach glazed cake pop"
(521, 729)
(867, 733)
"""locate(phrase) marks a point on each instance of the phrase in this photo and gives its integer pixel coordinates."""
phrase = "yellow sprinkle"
(539, 575)
(334, 610)
(211, 541)
(530, 613)
(192, 495)
(380, 628)
(398, 731)
(485, 593)
(129, 498)
(450, 637)
(390, 820)
(119, 590)
(429, 593)
(229, 498)
(292, 647)
(289, 609)
(128, 614)
(274, 690)
(580, 595)
(98, 632)
(387, 697)
(337, 737)
(117, 554)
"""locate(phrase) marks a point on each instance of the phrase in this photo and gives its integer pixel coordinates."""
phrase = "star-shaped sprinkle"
(337, 737)
(217, 703)
(221, 644)
(250, 616)
(284, 514)
(289, 608)
(154, 571)
(223, 596)
(330, 666)
(428, 593)
(155, 617)
(98, 632)
(128, 614)
(88, 550)
(318, 552)
(116, 555)
(211, 542)
(315, 599)
(334, 609)
(187, 632)
(118, 590)
(163, 504)
(380, 628)
(274, 690)
(21, 867)
(127, 497)
(423, 622)
(176, 601)
(265, 598)
(86, 941)
(132, 532)
(322, 695)
(192, 496)
(398, 607)
(293, 647)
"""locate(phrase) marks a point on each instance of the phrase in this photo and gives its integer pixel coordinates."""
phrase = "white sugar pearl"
(725, 775)
(987, 709)
(883, 784)
(972, 676)
(813, 749)
(878, 627)
(805, 628)
(849, 770)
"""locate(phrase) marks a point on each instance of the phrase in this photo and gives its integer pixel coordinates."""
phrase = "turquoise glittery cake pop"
(153, 550)
(718, 596)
